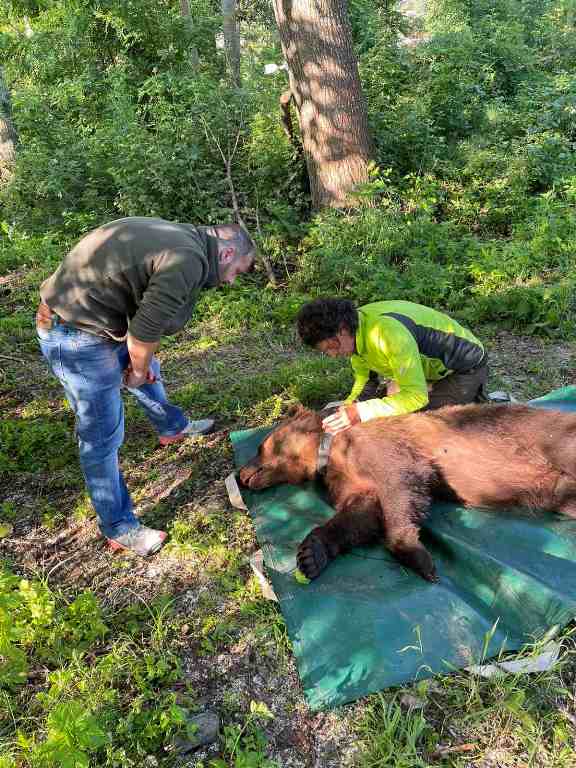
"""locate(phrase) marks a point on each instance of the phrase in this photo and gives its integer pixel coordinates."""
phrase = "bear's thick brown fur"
(382, 475)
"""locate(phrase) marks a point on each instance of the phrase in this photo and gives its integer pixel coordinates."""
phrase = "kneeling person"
(429, 359)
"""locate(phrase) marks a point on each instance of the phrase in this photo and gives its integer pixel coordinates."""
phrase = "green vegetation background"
(473, 196)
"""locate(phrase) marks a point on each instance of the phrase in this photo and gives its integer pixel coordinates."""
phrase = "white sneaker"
(141, 540)
(192, 429)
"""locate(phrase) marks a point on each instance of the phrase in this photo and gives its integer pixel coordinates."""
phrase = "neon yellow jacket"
(410, 344)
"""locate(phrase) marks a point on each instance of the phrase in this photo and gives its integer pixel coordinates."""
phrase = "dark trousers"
(459, 389)
(456, 389)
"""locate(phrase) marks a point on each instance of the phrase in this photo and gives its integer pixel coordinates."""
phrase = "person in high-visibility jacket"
(428, 359)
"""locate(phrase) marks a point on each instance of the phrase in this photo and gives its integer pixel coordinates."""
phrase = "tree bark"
(185, 11)
(231, 40)
(8, 135)
(317, 43)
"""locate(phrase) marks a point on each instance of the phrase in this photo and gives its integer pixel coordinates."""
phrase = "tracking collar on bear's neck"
(324, 453)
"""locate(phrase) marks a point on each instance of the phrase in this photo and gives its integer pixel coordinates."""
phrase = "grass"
(464, 719)
(104, 659)
(121, 677)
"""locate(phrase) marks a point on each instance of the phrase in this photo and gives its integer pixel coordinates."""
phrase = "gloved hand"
(345, 417)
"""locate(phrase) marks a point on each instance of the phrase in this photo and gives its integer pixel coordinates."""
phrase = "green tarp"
(367, 623)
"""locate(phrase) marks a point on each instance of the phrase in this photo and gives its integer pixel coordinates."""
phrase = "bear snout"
(249, 473)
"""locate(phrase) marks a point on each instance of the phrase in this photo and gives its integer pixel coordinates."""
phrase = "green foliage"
(368, 19)
(72, 734)
(28, 446)
(245, 745)
(113, 123)
(31, 619)
(92, 703)
(474, 131)
(20, 250)
(393, 737)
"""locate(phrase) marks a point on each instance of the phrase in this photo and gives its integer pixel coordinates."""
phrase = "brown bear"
(382, 475)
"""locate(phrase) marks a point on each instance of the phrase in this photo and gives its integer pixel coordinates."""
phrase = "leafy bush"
(72, 735)
(31, 619)
(28, 446)
(380, 255)
(97, 701)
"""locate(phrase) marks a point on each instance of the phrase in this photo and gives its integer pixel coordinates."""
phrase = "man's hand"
(138, 371)
(134, 379)
(344, 418)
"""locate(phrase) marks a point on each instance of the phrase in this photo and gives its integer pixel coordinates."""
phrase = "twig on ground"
(442, 751)
(59, 564)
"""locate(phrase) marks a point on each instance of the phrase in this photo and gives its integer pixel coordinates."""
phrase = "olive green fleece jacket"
(411, 345)
(136, 274)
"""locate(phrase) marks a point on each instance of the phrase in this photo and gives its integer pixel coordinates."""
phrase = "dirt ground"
(72, 554)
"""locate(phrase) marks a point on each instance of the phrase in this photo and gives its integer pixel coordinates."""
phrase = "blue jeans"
(90, 369)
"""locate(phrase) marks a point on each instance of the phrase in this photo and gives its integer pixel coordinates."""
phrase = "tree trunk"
(185, 11)
(8, 135)
(317, 43)
(231, 40)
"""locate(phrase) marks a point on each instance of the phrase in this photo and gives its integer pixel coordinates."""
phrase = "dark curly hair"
(322, 319)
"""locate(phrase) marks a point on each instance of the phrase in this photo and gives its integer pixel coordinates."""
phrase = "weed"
(393, 737)
(120, 696)
(245, 745)
(28, 446)
(8, 511)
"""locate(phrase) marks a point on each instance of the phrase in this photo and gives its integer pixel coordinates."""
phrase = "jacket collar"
(213, 277)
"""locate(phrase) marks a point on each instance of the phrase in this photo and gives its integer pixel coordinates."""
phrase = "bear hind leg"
(405, 545)
(565, 493)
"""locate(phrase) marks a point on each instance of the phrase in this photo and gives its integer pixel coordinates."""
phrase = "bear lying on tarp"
(382, 475)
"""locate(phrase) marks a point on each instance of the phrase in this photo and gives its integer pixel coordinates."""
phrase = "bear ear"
(296, 409)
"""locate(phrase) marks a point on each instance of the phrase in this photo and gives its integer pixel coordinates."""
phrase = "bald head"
(236, 251)
(235, 236)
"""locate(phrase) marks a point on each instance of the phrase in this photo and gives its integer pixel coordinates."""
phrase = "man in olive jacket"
(101, 317)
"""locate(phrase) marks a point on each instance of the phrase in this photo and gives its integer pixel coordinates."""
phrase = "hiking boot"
(192, 429)
(141, 540)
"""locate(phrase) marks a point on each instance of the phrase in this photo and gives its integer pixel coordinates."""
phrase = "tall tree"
(231, 40)
(317, 43)
(8, 135)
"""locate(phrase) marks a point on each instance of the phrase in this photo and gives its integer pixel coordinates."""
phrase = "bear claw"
(312, 556)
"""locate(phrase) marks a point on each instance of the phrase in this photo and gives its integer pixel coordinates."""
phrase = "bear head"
(287, 455)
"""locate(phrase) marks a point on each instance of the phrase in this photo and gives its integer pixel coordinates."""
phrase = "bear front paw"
(312, 556)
